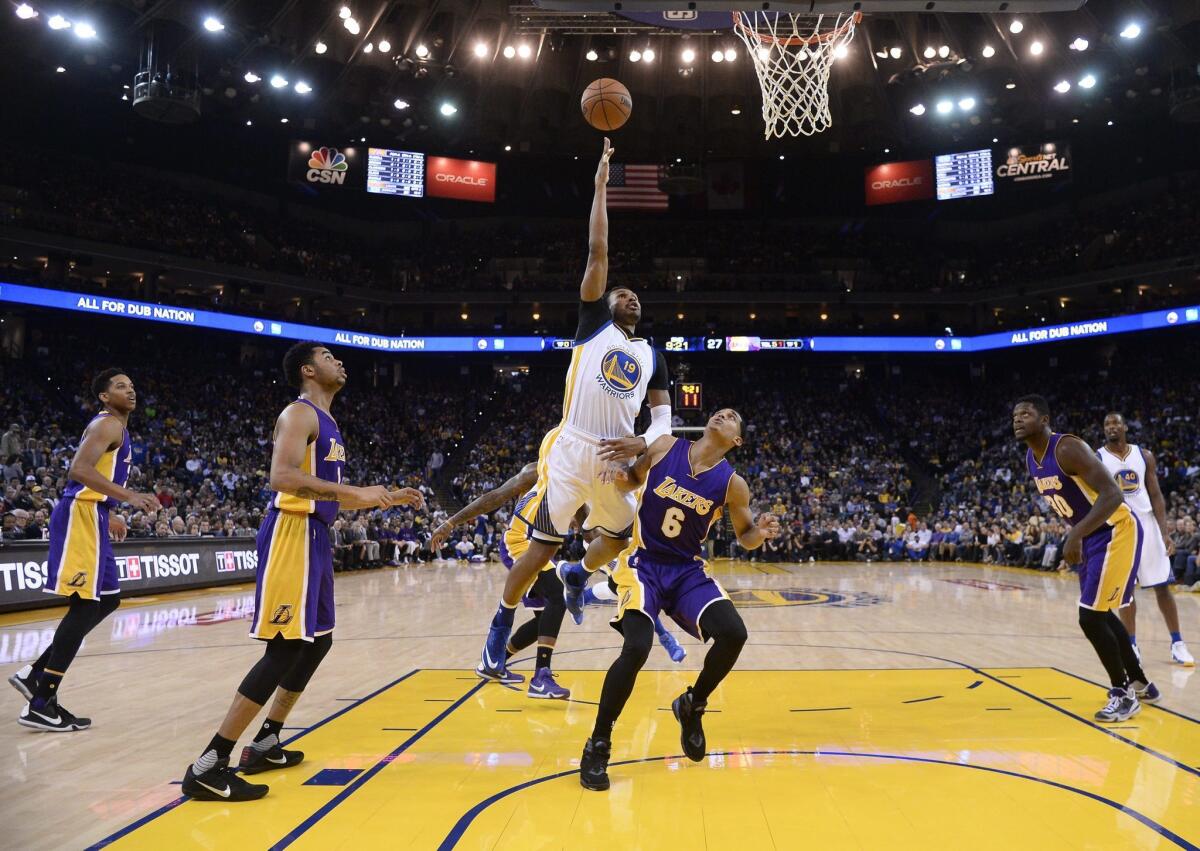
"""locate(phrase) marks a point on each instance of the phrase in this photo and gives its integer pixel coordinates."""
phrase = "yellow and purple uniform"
(293, 597)
(81, 557)
(1111, 553)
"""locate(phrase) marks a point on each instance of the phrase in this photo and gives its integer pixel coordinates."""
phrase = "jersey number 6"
(672, 523)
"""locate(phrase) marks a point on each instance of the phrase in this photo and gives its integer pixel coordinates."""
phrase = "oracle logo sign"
(466, 180)
(890, 183)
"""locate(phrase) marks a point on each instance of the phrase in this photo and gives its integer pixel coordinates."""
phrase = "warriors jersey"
(609, 375)
(677, 507)
(113, 465)
(1130, 473)
(1069, 496)
(324, 458)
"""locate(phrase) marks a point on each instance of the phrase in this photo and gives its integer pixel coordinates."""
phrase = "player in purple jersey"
(294, 608)
(682, 489)
(1105, 540)
(80, 565)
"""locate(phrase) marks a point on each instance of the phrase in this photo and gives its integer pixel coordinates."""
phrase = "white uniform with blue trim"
(607, 381)
(1130, 473)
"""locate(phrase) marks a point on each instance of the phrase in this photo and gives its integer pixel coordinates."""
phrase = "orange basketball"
(606, 104)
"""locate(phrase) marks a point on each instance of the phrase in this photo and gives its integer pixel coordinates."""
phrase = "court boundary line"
(464, 822)
(166, 808)
(359, 781)
(1147, 705)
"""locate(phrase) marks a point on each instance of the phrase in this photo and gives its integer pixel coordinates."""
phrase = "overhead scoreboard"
(396, 172)
(967, 174)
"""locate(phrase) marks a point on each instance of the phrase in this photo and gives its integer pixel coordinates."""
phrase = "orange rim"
(796, 41)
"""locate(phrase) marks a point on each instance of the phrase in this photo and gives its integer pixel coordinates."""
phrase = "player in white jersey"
(612, 372)
(1136, 474)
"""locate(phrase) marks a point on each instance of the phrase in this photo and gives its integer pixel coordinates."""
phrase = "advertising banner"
(891, 183)
(466, 180)
(321, 166)
(144, 566)
(1047, 162)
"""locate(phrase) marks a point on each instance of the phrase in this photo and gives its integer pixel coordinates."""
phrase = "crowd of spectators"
(832, 454)
(136, 208)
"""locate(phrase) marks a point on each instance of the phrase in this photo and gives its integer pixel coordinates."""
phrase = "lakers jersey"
(607, 381)
(677, 506)
(113, 465)
(1069, 496)
(1130, 473)
(324, 458)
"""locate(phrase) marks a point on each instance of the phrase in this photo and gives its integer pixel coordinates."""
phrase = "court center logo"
(620, 373)
(756, 598)
(327, 165)
(1129, 481)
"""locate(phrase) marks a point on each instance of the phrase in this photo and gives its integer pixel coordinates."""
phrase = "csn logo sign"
(327, 165)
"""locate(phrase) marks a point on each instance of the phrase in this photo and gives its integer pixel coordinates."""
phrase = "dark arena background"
(871, 229)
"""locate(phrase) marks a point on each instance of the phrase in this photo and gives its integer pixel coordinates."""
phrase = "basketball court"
(882, 704)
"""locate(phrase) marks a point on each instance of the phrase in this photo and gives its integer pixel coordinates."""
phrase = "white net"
(793, 56)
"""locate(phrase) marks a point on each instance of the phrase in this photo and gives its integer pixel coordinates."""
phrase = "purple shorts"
(81, 555)
(682, 590)
(1111, 556)
(293, 597)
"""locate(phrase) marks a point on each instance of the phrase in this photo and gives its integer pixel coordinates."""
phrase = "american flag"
(634, 187)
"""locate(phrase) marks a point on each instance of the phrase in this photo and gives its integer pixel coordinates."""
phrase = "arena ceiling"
(386, 70)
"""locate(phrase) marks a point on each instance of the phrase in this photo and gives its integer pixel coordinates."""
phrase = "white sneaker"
(1179, 653)
(1122, 705)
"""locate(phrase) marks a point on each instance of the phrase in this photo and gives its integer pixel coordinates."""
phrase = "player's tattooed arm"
(316, 493)
(751, 532)
(487, 503)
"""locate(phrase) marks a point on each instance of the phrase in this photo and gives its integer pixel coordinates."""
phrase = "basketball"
(606, 104)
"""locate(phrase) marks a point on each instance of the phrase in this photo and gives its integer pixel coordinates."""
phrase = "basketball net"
(793, 57)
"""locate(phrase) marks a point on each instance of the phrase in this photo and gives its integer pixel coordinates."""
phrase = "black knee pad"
(550, 622)
(639, 638)
(721, 622)
(1090, 618)
(310, 657)
(280, 656)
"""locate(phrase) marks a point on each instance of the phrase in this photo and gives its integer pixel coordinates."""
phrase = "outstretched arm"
(487, 503)
(104, 435)
(630, 478)
(595, 276)
(294, 430)
(750, 532)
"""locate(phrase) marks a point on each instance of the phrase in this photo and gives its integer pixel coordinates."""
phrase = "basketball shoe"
(593, 765)
(51, 718)
(543, 686)
(689, 712)
(1122, 705)
(23, 681)
(1179, 655)
(492, 661)
(574, 577)
(221, 783)
(669, 642)
(1145, 692)
(274, 757)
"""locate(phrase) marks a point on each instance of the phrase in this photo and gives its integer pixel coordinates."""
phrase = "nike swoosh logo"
(53, 719)
(224, 793)
(538, 688)
(280, 761)
(487, 660)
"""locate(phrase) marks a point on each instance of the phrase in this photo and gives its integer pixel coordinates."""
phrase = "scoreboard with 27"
(964, 175)
(396, 172)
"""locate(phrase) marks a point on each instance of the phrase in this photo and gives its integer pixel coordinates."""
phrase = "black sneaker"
(254, 762)
(688, 712)
(51, 718)
(220, 783)
(23, 681)
(593, 765)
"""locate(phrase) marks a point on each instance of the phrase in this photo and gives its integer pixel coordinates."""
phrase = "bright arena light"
(84, 30)
(58, 22)
(764, 53)
(251, 77)
(718, 56)
(213, 25)
(648, 54)
(320, 47)
(929, 52)
(1036, 48)
(841, 51)
(944, 107)
(385, 45)
(423, 52)
(510, 52)
(1062, 87)
(988, 51)
(1131, 31)
(25, 12)
(303, 88)
(400, 103)
(344, 12)
(278, 81)
(943, 51)
(524, 51)
(1080, 44)
(1016, 26)
(730, 54)
(481, 49)
(688, 55)
(896, 53)
(448, 108)
(351, 26)
(369, 47)
(635, 56)
(1087, 82)
(966, 104)
(919, 109)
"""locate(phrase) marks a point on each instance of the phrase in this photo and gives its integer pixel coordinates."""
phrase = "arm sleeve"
(661, 379)
(660, 424)
(593, 315)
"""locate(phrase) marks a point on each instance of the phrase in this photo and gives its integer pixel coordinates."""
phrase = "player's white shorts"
(1154, 568)
(569, 477)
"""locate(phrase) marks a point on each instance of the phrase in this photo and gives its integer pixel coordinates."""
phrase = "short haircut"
(1038, 403)
(1115, 414)
(298, 356)
(741, 423)
(608, 294)
(104, 378)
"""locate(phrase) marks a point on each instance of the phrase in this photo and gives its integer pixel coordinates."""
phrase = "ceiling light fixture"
(213, 25)
(1016, 26)
(84, 30)
(524, 51)
(730, 54)
(344, 12)
(25, 12)
(966, 104)
(510, 52)
(251, 77)
(303, 88)
(988, 51)
(919, 109)
(648, 54)
(841, 51)
(635, 56)
(278, 81)
(58, 22)
(896, 52)
(943, 51)
(481, 49)
(1062, 87)
(320, 47)
(1036, 48)
(688, 55)
(368, 47)
(1080, 44)
(448, 108)
(400, 103)
(422, 51)
(944, 107)
(1131, 31)
(385, 45)
(351, 26)
(929, 52)
(1087, 82)
(718, 56)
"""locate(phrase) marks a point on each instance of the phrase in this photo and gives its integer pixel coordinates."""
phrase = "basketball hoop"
(793, 55)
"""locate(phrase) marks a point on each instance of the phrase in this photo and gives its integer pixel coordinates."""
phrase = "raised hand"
(621, 448)
(602, 168)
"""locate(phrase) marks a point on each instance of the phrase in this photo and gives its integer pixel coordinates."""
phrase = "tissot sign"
(467, 180)
(890, 183)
